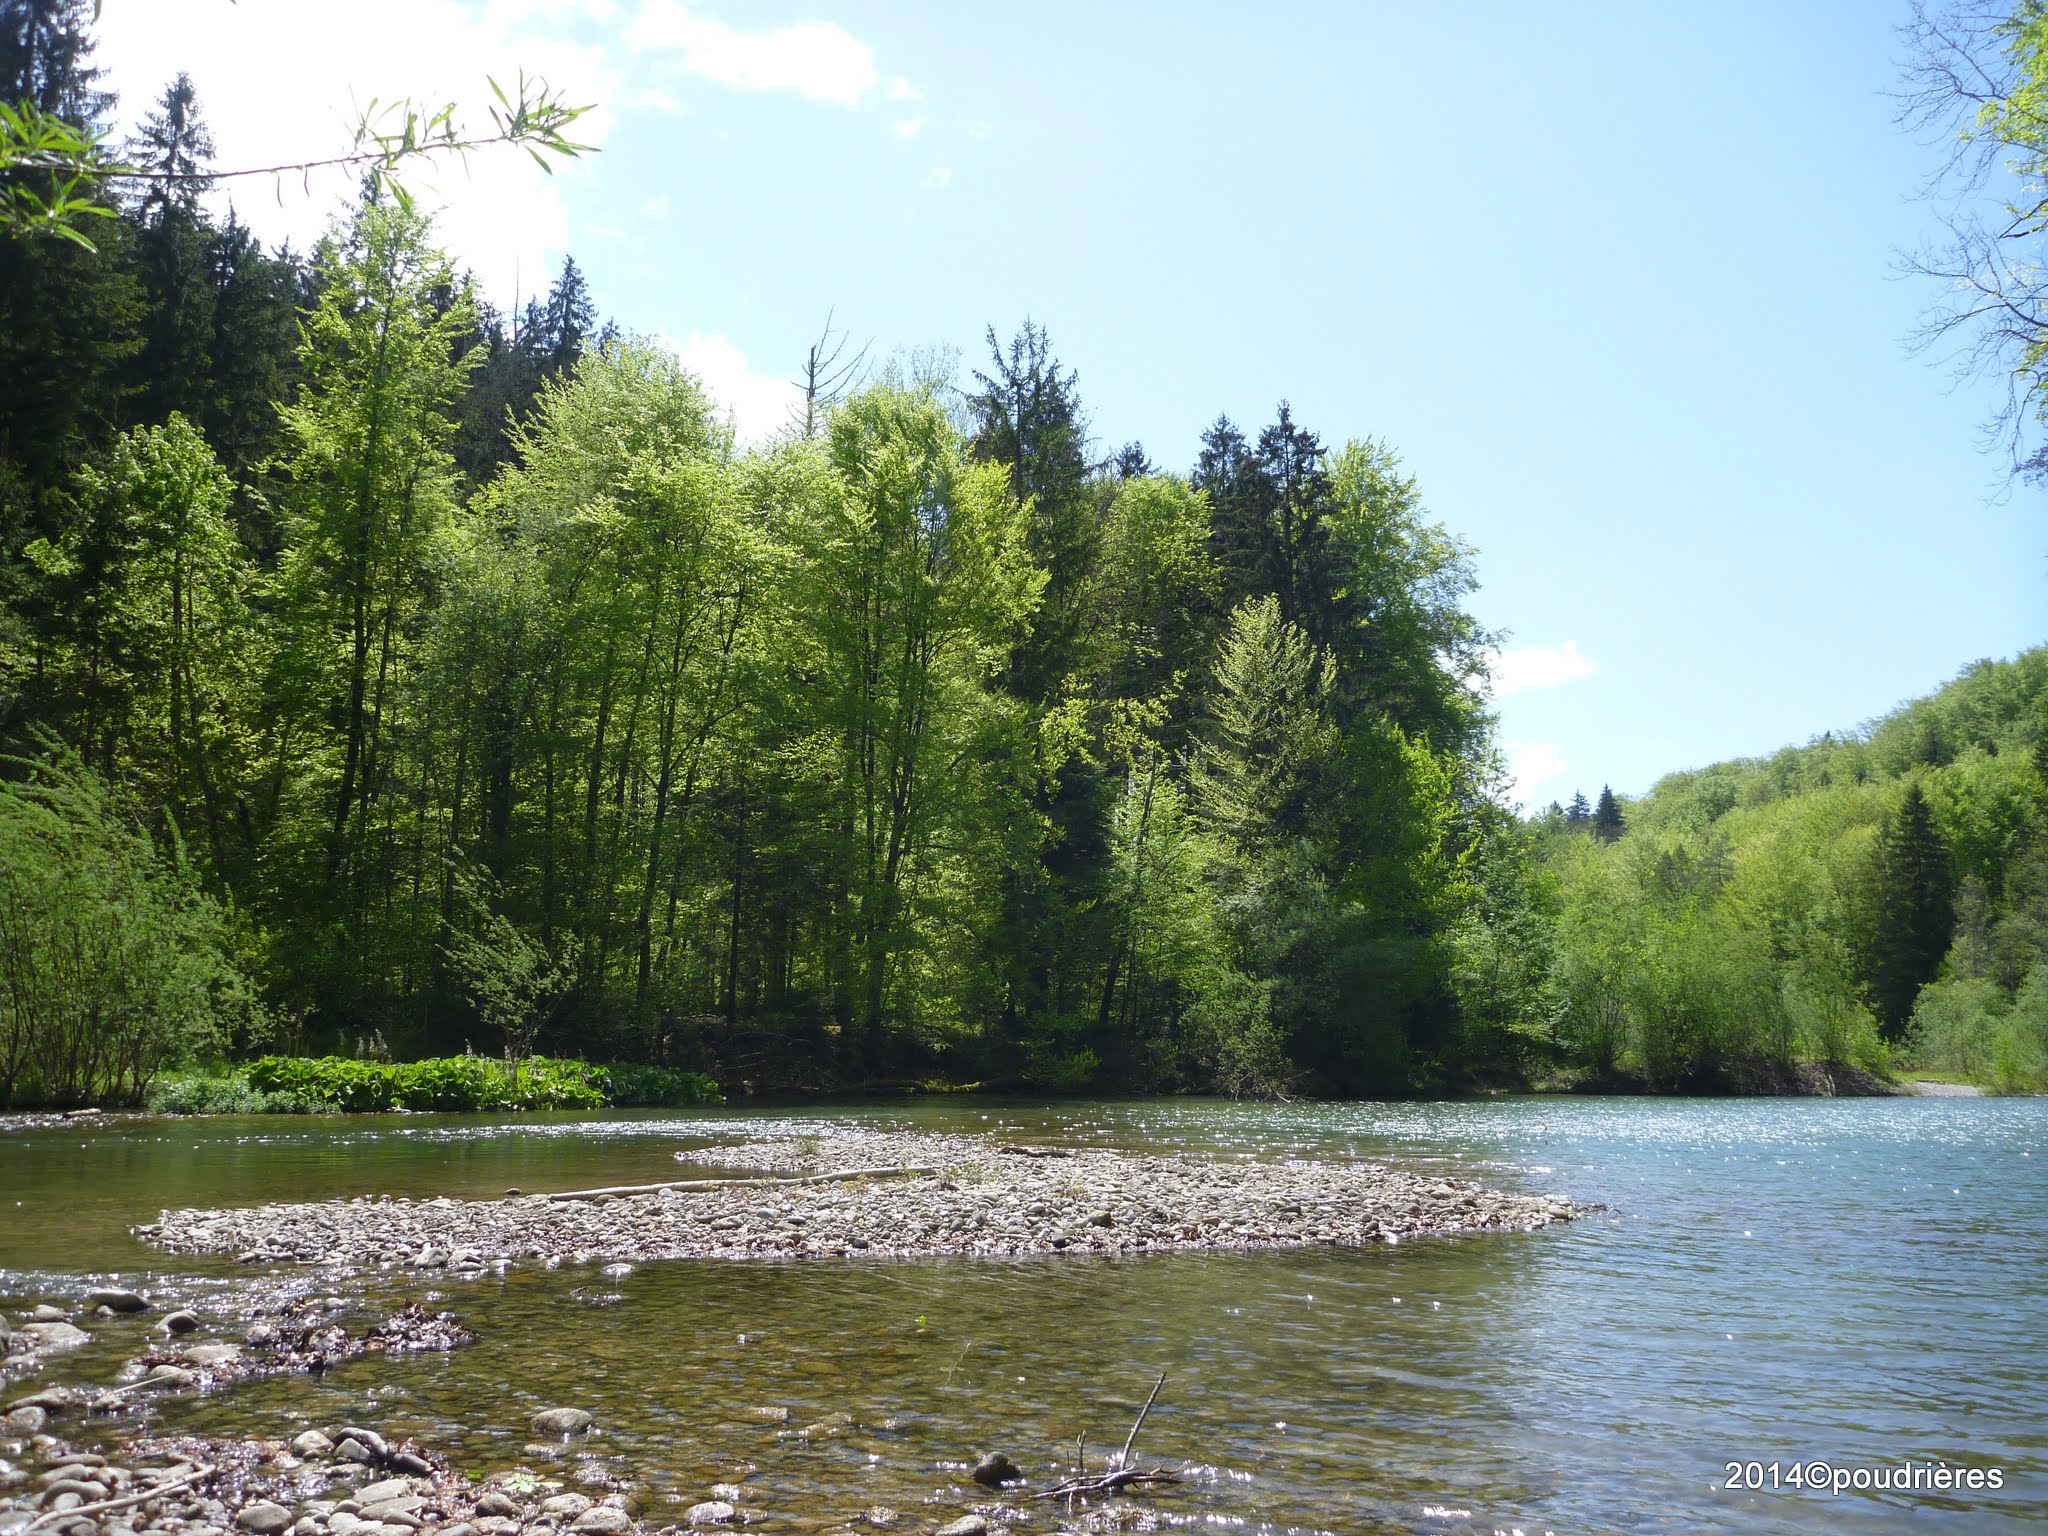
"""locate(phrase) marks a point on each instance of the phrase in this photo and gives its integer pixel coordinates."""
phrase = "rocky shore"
(341, 1481)
(850, 1193)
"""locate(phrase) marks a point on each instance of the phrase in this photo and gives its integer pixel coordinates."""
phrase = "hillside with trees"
(1878, 897)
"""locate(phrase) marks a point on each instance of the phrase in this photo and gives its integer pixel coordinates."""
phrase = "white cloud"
(760, 405)
(1532, 764)
(278, 81)
(900, 90)
(909, 127)
(937, 179)
(814, 59)
(1521, 668)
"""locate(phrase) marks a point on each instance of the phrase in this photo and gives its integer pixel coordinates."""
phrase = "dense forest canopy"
(433, 676)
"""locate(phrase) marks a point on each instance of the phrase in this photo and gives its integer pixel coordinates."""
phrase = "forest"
(383, 675)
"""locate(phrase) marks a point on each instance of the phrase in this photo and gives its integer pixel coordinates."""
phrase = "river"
(1774, 1281)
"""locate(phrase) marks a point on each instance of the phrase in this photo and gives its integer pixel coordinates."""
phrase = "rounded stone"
(264, 1518)
(710, 1512)
(561, 1421)
(996, 1469)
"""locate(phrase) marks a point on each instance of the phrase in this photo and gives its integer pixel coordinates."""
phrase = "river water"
(1863, 1282)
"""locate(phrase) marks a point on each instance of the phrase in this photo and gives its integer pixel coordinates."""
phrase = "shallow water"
(1864, 1281)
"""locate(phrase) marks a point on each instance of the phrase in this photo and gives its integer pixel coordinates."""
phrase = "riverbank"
(878, 1195)
(339, 1481)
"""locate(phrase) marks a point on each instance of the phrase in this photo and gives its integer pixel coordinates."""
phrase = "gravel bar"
(986, 1198)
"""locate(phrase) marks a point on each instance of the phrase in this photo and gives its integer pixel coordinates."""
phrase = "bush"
(226, 1093)
(114, 964)
(472, 1083)
(630, 1086)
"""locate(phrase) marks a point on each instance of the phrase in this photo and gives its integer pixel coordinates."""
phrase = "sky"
(1618, 282)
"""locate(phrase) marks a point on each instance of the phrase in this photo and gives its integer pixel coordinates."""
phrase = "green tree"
(914, 579)
(370, 487)
(1607, 823)
(1912, 909)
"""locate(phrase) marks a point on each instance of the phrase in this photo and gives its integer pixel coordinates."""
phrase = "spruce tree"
(45, 49)
(1607, 823)
(1912, 910)
(173, 258)
(253, 358)
(1578, 813)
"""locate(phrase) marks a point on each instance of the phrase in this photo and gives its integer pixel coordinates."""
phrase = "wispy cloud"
(812, 59)
(900, 90)
(937, 179)
(1520, 668)
(1532, 764)
(761, 404)
(909, 127)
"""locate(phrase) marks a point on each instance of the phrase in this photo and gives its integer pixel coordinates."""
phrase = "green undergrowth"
(330, 1084)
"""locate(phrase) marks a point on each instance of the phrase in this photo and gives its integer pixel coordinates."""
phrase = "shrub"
(631, 1086)
(474, 1083)
(226, 1093)
(114, 964)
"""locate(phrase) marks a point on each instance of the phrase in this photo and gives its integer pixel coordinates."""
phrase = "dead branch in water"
(1120, 1476)
(770, 1182)
(1017, 1151)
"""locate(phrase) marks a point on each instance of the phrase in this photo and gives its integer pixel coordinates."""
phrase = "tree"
(1607, 822)
(1266, 737)
(1912, 909)
(45, 52)
(1977, 85)
(1028, 419)
(1578, 815)
(174, 260)
(370, 486)
(915, 579)
(1269, 506)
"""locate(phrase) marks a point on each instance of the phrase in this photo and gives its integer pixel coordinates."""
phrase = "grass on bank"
(340, 1084)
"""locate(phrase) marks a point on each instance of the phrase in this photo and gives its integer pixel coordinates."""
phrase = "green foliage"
(464, 1083)
(441, 1083)
(628, 1085)
(114, 964)
(1877, 898)
(225, 1093)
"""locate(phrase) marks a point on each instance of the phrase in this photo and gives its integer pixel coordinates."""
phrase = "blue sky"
(1616, 281)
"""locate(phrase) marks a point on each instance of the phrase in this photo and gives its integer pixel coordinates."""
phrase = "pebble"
(603, 1519)
(710, 1512)
(264, 1519)
(499, 1504)
(184, 1320)
(966, 1525)
(49, 1314)
(313, 1445)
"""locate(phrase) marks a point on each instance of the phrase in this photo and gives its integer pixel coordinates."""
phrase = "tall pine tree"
(1912, 910)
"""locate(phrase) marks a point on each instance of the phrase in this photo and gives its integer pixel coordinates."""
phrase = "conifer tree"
(1607, 823)
(1912, 910)
(173, 259)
